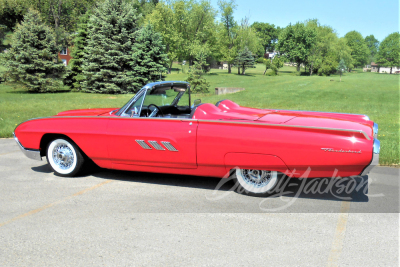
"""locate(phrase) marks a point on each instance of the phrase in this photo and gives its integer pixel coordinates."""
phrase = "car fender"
(255, 161)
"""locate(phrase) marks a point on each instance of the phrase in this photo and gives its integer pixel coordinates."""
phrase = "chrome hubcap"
(256, 178)
(63, 156)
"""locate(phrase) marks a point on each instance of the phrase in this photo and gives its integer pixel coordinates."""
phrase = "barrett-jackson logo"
(340, 150)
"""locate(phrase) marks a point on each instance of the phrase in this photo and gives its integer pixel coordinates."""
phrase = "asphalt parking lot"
(115, 218)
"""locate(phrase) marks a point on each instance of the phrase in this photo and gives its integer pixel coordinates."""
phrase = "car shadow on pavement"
(353, 189)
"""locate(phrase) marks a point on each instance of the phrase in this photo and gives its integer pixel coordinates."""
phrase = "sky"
(379, 17)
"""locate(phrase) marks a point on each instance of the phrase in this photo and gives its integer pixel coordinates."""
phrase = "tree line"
(117, 46)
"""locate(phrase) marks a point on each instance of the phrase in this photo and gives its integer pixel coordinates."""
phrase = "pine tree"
(341, 68)
(198, 84)
(31, 58)
(149, 59)
(76, 76)
(244, 60)
(107, 63)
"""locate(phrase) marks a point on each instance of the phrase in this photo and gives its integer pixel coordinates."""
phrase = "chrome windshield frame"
(152, 86)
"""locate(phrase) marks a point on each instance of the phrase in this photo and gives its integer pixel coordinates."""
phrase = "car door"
(152, 142)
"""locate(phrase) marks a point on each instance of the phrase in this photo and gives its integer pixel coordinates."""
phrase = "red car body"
(214, 140)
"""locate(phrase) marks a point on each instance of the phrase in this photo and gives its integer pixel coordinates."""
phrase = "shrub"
(260, 60)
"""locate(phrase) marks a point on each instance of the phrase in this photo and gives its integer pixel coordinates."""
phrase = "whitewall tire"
(64, 157)
(256, 182)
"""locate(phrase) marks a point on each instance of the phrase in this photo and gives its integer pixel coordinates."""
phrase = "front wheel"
(64, 157)
(256, 182)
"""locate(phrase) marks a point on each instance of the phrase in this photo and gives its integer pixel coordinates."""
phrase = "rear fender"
(255, 161)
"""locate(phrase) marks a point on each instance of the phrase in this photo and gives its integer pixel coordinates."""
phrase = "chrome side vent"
(156, 145)
(169, 146)
(143, 144)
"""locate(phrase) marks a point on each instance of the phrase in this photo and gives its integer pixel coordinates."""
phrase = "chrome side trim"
(30, 153)
(143, 144)
(156, 145)
(169, 146)
(375, 157)
(365, 116)
(375, 127)
(294, 126)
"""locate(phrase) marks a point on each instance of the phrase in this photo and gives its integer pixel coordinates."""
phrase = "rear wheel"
(64, 157)
(256, 182)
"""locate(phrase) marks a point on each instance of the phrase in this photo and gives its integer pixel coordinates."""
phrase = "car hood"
(86, 112)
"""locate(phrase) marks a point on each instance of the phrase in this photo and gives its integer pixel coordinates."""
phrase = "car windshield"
(166, 97)
(162, 97)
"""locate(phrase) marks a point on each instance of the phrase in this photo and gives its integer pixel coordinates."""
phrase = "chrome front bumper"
(30, 153)
(375, 157)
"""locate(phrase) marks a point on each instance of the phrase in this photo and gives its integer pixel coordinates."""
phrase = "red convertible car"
(160, 130)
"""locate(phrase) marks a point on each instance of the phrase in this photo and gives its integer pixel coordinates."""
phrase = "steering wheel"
(150, 115)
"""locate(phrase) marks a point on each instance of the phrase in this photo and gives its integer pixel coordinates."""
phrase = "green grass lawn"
(376, 95)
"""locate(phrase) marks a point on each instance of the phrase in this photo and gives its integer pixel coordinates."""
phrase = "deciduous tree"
(295, 43)
(185, 24)
(343, 52)
(268, 34)
(389, 51)
(227, 34)
(359, 49)
(61, 15)
(373, 45)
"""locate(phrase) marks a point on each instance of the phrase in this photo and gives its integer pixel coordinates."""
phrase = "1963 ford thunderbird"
(160, 130)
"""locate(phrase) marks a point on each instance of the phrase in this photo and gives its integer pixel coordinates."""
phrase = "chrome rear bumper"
(375, 128)
(30, 153)
(375, 157)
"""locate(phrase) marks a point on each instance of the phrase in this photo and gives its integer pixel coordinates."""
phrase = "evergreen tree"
(198, 84)
(76, 76)
(3, 30)
(108, 59)
(244, 60)
(341, 68)
(149, 58)
(31, 58)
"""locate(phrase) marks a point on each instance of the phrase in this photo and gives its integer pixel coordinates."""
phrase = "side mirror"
(197, 102)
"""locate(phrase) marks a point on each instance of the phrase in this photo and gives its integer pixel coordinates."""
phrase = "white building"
(387, 70)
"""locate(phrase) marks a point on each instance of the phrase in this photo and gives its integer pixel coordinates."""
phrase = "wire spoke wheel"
(256, 181)
(64, 157)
